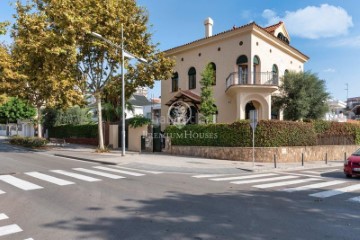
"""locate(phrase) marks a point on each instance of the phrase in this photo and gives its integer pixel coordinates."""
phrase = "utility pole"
(347, 94)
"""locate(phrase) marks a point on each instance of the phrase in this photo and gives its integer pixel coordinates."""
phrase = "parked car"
(352, 165)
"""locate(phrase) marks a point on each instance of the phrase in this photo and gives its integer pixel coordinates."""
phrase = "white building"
(249, 62)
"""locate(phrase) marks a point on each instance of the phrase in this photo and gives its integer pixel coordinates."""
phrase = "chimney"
(208, 27)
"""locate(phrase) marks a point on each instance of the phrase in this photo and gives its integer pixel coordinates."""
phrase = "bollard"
(344, 156)
(274, 161)
(326, 158)
(302, 159)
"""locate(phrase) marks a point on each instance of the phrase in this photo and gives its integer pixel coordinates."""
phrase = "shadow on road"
(248, 215)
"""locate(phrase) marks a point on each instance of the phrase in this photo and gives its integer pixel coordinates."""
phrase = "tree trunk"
(39, 122)
(100, 127)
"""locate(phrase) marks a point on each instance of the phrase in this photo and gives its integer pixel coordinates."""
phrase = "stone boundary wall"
(266, 154)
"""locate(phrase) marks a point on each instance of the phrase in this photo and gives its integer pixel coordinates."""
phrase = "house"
(153, 111)
(336, 111)
(137, 101)
(353, 105)
(23, 128)
(249, 62)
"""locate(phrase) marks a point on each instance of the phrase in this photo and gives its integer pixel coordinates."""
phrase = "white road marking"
(22, 184)
(29, 239)
(243, 177)
(3, 216)
(145, 171)
(304, 175)
(55, 180)
(2, 192)
(103, 174)
(264, 180)
(335, 192)
(279, 184)
(313, 172)
(120, 171)
(9, 229)
(76, 175)
(355, 199)
(313, 186)
(209, 175)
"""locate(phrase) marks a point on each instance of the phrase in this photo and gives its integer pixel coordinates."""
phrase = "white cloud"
(329, 70)
(347, 42)
(314, 22)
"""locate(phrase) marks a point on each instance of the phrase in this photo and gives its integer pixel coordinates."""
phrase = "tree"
(46, 63)
(207, 105)
(15, 109)
(71, 116)
(303, 96)
(98, 62)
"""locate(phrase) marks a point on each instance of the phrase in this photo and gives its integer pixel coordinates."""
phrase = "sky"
(326, 31)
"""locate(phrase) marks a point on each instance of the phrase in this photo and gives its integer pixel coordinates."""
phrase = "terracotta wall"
(283, 154)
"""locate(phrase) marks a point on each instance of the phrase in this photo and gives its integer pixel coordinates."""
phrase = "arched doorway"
(251, 106)
(242, 63)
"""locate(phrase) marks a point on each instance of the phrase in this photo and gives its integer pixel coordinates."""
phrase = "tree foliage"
(45, 60)
(303, 96)
(207, 105)
(97, 62)
(15, 109)
(3, 26)
(70, 116)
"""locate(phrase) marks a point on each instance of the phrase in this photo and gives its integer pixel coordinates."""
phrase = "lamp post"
(123, 55)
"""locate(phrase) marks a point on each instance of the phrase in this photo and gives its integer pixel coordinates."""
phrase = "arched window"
(256, 71)
(192, 78)
(213, 66)
(242, 63)
(275, 74)
(283, 38)
(242, 60)
(175, 82)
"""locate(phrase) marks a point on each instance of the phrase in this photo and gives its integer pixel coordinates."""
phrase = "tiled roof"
(189, 97)
(266, 30)
(271, 29)
(234, 28)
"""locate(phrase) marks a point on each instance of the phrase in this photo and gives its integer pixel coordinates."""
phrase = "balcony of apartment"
(237, 82)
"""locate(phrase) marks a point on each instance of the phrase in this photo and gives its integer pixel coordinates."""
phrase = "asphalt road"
(169, 205)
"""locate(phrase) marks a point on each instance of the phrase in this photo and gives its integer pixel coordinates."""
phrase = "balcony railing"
(257, 78)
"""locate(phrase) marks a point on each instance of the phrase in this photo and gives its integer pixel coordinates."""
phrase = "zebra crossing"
(320, 187)
(56, 176)
(9, 229)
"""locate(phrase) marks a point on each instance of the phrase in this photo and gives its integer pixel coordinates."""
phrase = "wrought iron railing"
(257, 78)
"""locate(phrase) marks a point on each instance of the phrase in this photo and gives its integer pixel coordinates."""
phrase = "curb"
(84, 159)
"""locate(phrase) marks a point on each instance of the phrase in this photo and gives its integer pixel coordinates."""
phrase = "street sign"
(253, 119)
(253, 125)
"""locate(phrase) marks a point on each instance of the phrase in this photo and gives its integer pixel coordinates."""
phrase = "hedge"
(32, 142)
(74, 131)
(269, 133)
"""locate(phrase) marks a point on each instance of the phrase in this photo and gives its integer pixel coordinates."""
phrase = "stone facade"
(265, 154)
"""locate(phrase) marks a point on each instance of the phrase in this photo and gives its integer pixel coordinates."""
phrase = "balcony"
(257, 79)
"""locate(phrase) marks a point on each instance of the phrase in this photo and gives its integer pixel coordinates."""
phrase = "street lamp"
(123, 55)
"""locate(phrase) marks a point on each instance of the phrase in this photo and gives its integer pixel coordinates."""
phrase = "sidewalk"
(182, 164)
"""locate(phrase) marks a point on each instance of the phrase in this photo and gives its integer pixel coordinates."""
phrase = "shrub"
(72, 131)
(32, 142)
(138, 121)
